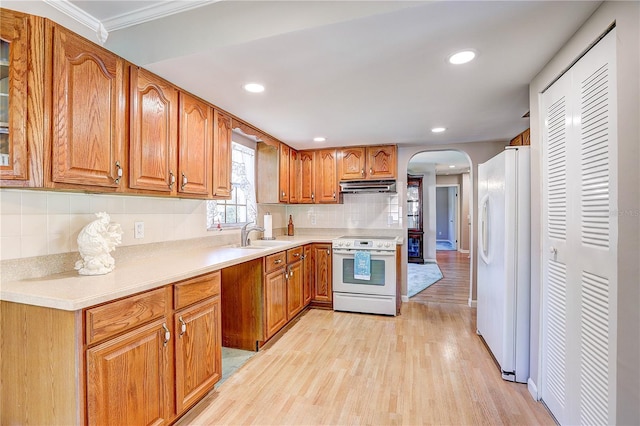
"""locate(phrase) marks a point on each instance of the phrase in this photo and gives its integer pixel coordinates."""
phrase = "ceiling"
(355, 72)
(447, 162)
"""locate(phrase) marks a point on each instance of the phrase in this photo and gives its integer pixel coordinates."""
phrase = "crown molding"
(149, 13)
(80, 16)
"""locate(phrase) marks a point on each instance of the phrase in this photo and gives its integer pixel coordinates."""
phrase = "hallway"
(454, 286)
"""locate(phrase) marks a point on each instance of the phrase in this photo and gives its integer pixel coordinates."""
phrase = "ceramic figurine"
(95, 242)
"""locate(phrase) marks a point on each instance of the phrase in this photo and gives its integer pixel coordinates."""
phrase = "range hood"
(367, 186)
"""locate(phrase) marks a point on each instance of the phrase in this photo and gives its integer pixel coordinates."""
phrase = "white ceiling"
(443, 160)
(356, 72)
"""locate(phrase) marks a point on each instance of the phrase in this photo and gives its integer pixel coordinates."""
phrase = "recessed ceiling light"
(438, 129)
(452, 166)
(319, 139)
(462, 57)
(254, 87)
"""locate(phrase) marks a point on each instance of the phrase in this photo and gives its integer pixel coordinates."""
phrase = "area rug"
(444, 245)
(419, 277)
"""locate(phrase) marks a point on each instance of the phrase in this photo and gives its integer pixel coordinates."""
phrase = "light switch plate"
(138, 230)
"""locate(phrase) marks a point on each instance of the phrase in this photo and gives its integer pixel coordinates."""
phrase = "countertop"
(71, 292)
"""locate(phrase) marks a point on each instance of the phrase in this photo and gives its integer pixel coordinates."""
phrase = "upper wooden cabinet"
(283, 173)
(294, 176)
(523, 138)
(326, 184)
(21, 102)
(88, 113)
(195, 146)
(368, 163)
(306, 177)
(154, 133)
(221, 155)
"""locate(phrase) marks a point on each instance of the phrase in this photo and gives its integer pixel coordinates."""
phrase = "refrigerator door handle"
(484, 229)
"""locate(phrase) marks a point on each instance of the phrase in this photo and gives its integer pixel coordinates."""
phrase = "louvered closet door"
(580, 238)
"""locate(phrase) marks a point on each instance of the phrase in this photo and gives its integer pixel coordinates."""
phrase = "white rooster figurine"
(95, 242)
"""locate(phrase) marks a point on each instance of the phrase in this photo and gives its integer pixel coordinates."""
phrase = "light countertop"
(71, 292)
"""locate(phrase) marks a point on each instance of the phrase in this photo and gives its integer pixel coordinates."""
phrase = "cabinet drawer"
(274, 261)
(115, 317)
(196, 289)
(294, 254)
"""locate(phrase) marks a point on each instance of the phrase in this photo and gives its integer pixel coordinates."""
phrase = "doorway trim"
(456, 224)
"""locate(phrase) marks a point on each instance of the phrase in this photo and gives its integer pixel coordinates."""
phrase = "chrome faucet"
(244, 233)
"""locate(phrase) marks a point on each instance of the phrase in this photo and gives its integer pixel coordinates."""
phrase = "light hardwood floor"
(454, 286)
(426, 366)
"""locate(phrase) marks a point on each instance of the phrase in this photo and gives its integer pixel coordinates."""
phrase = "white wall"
(626, 15)
(478, 152)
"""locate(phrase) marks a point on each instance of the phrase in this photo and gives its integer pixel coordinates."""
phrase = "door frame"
(456, 216)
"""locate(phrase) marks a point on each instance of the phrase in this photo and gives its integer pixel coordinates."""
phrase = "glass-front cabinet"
(4, 103)
(414, 219)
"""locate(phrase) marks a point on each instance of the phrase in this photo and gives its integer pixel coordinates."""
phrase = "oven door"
(383, 273)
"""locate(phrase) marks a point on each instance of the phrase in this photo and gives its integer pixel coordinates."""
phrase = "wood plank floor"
(454, 286)
(426, 366)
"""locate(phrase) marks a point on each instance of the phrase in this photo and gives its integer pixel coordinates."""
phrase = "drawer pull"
(172, 179)
(183, 327)
(277, 261)
(118, 173)
(184, 181)
(296, 254)
(167, 334)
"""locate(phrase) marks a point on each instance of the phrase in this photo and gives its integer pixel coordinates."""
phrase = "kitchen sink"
(269, 243)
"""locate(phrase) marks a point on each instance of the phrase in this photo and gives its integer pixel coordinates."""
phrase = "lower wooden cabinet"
(129, 378)
(295, 288)
(322, 290)
(307, 267)
(275, 301)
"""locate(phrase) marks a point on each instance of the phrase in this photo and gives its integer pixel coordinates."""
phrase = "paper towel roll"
(268, 226)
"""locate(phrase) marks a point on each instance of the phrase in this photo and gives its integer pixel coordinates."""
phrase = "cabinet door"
(325, 176)
(275, 302)
(14, 61)
(283, 173)
(195, 146)
(221, 155)
(294, 176)
(88, 124)
(307, 190)
(322, 289)
(154, 132)
(308, 273)
(129, 378)
(352, 164)
(382, 162)
(198, 351)
(295, 291)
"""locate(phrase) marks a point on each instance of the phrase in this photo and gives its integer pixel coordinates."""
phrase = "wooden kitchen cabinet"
(21, 99)
(195, 141)
(283, 173)
(307, 266)
(322, 292)
(368, 163)
(221, 155)
(326, 184)
(295, 281)
(129, 378)
(523, 138)
(198, 351)
(307, 177)
(275, 301)
(154, 133)
(87, 98)
(294, 176)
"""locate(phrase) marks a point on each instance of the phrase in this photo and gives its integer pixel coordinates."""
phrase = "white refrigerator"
(504, 260)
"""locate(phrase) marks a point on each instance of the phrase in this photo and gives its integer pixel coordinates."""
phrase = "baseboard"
(473, 303)
(405, 299)
(430, 261)
(463, 251)
(533, 389)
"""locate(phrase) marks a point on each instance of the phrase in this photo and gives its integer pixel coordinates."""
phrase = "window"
(241, 208)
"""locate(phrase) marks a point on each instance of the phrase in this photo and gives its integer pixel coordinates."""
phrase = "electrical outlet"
(138, 230)
(313, 219)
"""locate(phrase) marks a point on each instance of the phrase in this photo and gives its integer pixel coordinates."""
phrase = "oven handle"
(373, 252)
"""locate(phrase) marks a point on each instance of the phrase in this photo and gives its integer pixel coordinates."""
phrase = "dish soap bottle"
(290, 227)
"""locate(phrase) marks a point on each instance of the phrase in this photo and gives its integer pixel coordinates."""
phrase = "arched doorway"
(441, 218)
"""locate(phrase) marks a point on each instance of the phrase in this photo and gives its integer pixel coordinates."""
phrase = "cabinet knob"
(172, 179)
(118, 173)
(370, 171)
(362, 172)
(283, 194)
(312, 196)
(328, 252)
(184, 181)
(167, 334)
(183, 327)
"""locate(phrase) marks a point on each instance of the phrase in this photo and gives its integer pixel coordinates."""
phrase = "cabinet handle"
(328, 252)
(290, 272)
(172, 179)
(184, 181)
(303, 257)
(283, 194)
(334, 195)
(286, 275)
(296, 254)
(362, 172)
(312, 196)
(183, 327)
(167, 334)
(277, 261)
(370, 171)
(118, 173)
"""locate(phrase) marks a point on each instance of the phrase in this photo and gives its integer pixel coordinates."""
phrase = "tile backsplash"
(37, 223)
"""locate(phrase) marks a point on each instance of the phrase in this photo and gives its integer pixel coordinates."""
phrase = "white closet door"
(580, 239)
